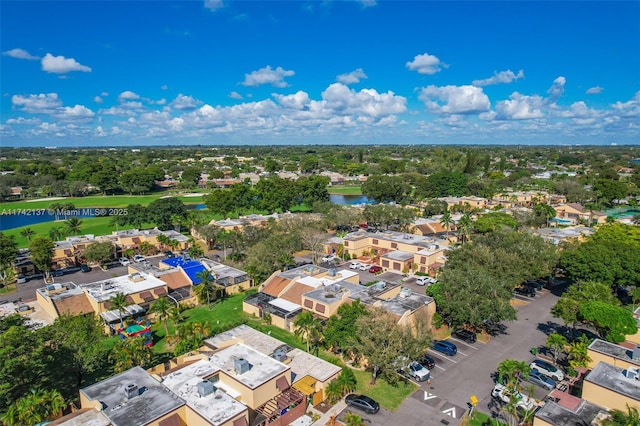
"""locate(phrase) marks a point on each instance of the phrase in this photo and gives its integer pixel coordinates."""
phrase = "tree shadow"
(551, 327)
(495, 328)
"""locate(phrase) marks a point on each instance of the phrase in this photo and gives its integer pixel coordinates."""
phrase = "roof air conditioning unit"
(332, 272)
(280, 356)
(205, 388)
(241, 366)
(631, 373)
(131, 390)
(636, 352)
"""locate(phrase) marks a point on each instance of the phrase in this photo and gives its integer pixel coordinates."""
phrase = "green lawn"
(95, 226)
(481, 419)
(345, 190)
(389, 396)
(98, 201)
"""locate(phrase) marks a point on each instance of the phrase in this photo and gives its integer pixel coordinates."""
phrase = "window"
(385, 264)
(320, 308)
(346, 243)
(423, 260)
(308, 303)
(396, 266)
(375, 242)
(394, 245)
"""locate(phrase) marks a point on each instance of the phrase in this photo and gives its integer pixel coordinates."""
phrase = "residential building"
(233, 280)
(574, 213)
(616, 355)
(613, 387)
(564, 409)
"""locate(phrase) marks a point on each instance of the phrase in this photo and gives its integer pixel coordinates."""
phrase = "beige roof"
(75, 305)
(295, 292)
(175, 280)
(276, 285)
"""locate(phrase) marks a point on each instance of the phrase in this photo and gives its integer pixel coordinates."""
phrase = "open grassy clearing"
(100, 201)
(345, 190)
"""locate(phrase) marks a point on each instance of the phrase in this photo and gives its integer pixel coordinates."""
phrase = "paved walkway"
(333, 411)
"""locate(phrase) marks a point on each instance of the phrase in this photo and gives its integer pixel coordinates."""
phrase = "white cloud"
(213, 5)
(164, 87)
(37, 104)
(298, 100)
(455, 99)
(61, 65)
(266, 75)
(98, 100)
(128, 95)
(426, 64)
(235, 95)
(367, 101)
(557, 89)
(20, 54)
(352, 77)
(183, 102)
(104, 94)
(595, 90)
(24, 121)
(367, 3)
(76, 113)
(520, 107)
(502, 77)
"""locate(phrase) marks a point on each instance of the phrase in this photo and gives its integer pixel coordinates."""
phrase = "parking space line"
(448, 359)
(464, 343)
(441, 368)
(462, 353)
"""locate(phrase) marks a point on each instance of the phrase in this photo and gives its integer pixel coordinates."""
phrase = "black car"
(465, 335)
(536, 285)
(169, 253)
(428, 362)
(363, 403)
(525, 291)
(85, 268)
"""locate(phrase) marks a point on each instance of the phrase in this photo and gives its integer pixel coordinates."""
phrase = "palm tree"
(177, 221)
(175, 314)
(352, 419)
(163, 240)
(146, 248)
(119, 302)
(162, 309)
(128, 353)
(28, 233)
(56, 233)
(512, 370)
(556, 343)
(347, 380)
(334, 391)
(446, 221)
(465, 224)
(620, 418)
(73, 225)
(37, 406)
(206, 289)
(306, 325)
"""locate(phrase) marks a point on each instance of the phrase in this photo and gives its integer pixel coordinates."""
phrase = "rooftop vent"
(380, 285)
(405, 292)
(205, 388)
(631, 373)
(280, 356)
(636, 352)
(332, 272)
(131, 390)
(241, 365)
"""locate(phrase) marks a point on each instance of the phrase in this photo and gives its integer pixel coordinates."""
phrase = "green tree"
(162, 309)
(620, 418)
(556, 342)
(382, 339)
(35, 407)
(579, 353)
(78, 341)
(307, 326)
(352, 419)
(128, 353)
(73, 225)
(162, 211)
(205, 290)
(334, 391)
(465, 224)
(492, 221)
(446, 221)
(511, 371)
(119, 302)
(41, 250)
(28, 233)
(568, 310)
(340, 332)
(613, 323)
(347, 380)
(99, 252)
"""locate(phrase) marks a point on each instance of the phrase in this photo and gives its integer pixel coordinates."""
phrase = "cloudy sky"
(91, 73)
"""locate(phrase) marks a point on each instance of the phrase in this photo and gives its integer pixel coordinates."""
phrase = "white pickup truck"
(505, 395)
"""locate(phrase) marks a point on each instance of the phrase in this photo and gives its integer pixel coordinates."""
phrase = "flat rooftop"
(60, 291)
(84, 417)
(615, 379)
(407, 300)
(398, 255)
(217, 407)
(301, 363)
(153, 400)
(225, 274)
(613, 350)
(398, 237)
(127, 284)
(302, 271)
(556, 414)
(334, 292)
(262, 367)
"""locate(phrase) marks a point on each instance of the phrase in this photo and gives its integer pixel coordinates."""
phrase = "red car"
(374, 269)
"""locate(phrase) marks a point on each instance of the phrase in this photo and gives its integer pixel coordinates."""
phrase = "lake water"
(35, 216)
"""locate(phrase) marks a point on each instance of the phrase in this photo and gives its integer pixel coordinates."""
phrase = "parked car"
(328, 258)
(465, 335)
(375, 269)
(168, 253)
(363, 403)
(428, 362)
(355, 265)
(445, 347)
(426, 281)
(138, 258)
(59, 272)
(364, 267)
(505, 395)
(547, 369)
(537, 378)
(525, 291)
(124, 261)
(85, 268)
(534, 284)
(418, 372)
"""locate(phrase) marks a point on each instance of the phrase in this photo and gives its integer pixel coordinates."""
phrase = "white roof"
(285, 305)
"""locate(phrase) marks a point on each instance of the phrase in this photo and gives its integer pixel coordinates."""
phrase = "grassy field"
(98, 201)
(389, 396)
(345, 190)
(95, 226)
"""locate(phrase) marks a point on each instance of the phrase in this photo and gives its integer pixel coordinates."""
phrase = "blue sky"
(92, 73)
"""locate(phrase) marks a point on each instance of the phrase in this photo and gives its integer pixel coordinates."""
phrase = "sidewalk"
(333, 411)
